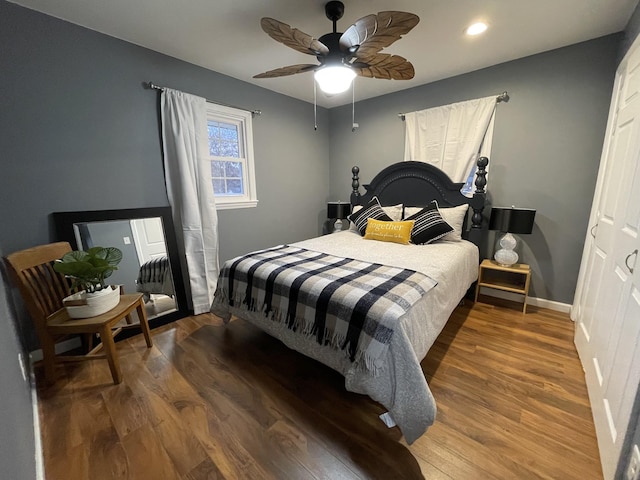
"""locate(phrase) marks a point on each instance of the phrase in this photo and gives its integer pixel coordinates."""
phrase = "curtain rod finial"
(151, 86)
(503, 97)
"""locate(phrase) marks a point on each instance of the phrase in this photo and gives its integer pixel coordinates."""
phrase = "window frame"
(243, 120)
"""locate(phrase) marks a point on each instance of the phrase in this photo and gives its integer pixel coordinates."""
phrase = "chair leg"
(144, 323)
(87, 341)
(109, 348)
(49, 359)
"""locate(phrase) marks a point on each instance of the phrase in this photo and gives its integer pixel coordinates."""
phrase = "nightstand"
(514, 279)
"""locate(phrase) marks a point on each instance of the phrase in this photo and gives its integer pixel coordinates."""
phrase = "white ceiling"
(225, 35)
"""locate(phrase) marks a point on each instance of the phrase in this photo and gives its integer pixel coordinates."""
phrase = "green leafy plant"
(88, 269)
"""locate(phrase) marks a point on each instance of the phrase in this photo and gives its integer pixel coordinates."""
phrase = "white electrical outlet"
(633, 470)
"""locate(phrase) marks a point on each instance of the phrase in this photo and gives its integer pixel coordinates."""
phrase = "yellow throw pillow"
(396, 232)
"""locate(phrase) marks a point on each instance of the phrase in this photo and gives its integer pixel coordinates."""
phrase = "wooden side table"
(514, 279)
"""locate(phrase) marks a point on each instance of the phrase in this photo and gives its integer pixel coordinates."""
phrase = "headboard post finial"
(481, 182)
(481, 174)
(355, 186)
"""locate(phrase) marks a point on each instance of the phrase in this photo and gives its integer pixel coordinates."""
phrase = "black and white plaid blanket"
(154, 276)
(345, 303)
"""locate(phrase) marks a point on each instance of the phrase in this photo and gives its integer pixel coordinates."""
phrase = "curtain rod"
(153, 86)
(503, 97)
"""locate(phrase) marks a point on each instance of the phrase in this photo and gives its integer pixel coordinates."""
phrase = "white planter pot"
(84, 305)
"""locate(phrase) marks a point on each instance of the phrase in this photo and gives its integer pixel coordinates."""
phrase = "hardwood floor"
(210, 401)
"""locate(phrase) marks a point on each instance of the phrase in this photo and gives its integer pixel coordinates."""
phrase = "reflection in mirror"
(150, 262)
(145, 266)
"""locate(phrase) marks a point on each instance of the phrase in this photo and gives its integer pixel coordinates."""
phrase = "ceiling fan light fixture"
(476, 28)
(343, 56)
(335, 78)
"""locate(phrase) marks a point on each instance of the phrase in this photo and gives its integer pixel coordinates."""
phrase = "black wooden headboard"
(417, 183)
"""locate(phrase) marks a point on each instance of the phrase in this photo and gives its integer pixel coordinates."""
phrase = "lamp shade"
(334, 78)
(512, 220)
(338, 209)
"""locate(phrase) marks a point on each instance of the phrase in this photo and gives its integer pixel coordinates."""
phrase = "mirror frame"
(63, 227)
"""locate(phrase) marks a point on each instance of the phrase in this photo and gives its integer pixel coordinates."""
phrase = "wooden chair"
(43, 289)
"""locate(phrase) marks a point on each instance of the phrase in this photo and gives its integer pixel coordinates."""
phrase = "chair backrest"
(41, 287)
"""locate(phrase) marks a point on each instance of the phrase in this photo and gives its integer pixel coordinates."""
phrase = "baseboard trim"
(39, 454)
(534, 301)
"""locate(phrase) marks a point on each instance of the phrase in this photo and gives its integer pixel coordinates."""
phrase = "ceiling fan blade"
(382, 65)
(372, 33)
(292, 37)
(289, 70)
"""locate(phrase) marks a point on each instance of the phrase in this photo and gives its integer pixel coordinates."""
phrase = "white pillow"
(454, 216)
(394, 212)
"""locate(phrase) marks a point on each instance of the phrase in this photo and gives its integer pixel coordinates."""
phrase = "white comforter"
(401, 387)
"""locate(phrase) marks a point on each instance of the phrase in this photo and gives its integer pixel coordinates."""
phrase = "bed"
(368, 309)
(154, 277)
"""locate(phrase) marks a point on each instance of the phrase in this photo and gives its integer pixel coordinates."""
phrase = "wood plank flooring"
(210, 401)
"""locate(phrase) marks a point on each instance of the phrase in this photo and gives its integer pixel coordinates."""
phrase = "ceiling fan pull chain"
(315, 103)
(354, 125)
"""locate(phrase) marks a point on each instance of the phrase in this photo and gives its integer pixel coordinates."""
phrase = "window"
(231, 157)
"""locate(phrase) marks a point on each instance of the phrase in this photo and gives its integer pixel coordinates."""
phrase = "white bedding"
(401, 387)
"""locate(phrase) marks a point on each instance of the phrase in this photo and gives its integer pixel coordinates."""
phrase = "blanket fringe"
(333, 339)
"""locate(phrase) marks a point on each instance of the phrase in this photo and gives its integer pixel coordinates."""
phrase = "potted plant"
(88, 271)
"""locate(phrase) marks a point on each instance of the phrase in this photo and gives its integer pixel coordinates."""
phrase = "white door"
(608, 299)
(148, 235)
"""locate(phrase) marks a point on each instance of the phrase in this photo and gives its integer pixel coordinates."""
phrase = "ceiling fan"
(343, 56)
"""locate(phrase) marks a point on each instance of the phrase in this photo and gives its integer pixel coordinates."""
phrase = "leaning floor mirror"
(150, 262)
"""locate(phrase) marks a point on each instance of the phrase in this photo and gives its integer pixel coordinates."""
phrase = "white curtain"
(188, 179)
(451, 137)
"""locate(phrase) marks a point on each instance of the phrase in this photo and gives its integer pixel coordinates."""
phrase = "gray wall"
(630, 32)
(17, 442)
(79, 132)
(546, 146)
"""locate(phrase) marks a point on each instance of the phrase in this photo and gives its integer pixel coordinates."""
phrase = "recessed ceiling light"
(476, 28)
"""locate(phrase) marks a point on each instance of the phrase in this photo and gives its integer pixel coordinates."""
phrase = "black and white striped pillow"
(372, 210)
(429, 225)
